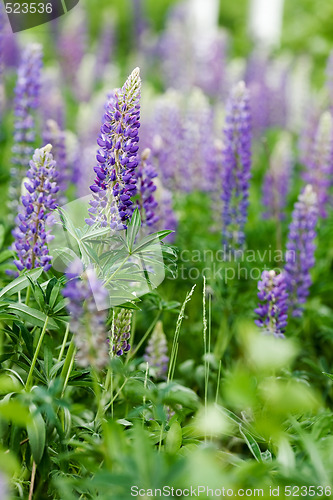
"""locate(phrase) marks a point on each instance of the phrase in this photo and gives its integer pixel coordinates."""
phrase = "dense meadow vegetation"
(166, 256)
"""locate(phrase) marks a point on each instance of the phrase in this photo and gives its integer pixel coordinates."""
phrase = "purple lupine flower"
(104, 49)
(72, 45)
(117, 157)
(256, 81)
(319, 166)
(26, 101)
(277, 179)
(120, 331)
(300, 249)
(52, 134)
(156, 353)
(308, 133)
(272, 310)
(197, 131)
(88, 301)
(211, 63)
(38, 201)
(166, 216)
(146, 188)
(236, 169)
(167, 142)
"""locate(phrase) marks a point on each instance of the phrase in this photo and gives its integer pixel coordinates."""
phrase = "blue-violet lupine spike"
(88, 322)
(319, 168)
(156, 353)
(52, 134)
(120, 331)
(146, 187)
(273, 308)
(300, 249)
(236, 170)
(277, 179)
(117, 157)
(38, 202)
(26, 101)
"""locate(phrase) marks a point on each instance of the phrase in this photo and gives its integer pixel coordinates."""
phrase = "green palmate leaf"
(52, 291)
(133, 229)
(150, 240)
(37, 434)
(329, 375)
(21, 282)
(33, 316)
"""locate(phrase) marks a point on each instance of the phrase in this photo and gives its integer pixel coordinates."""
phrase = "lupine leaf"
(21, 282)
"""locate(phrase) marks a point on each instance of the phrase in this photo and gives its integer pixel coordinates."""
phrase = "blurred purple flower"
(300, 249)
(236, 169)
(27, 92)
(30, 235)
(156, 353)
(320, 164)
(52, 134)
(272, 310)
(87, 305)
(277, 179)
(146, 188)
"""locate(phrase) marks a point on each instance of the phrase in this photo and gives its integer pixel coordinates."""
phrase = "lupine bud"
(87, 306)
(27, 92)
(156, 353)
(277, 179)
(300, 249)
(272, 310)
(236, 171)
(117, 157)
(38, 201)
(120, 331)
(319, 168)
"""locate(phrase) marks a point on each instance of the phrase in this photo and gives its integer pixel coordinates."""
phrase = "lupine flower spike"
(272, 310)
(300, 249)
(27, 92)
(146, 188)
(115, 184)
(38, 201)
(236, 167)
(120, 331)
(88, 322)
(156, 354)
(319, 168)
(57, 137)
(277, 180)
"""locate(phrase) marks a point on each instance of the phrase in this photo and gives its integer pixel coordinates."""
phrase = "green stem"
(27, 298)
(68, 365)
(64, 342)
(32, 367)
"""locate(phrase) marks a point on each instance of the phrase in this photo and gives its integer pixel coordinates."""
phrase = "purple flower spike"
(319, 167)
(27, 92)
(146, 188)
(300, 249)
(31, 238)
(121, 332)
(236, 167)
(156, 354)
(115, 184)
(277, 179)
(272, 310)
(87, 321)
